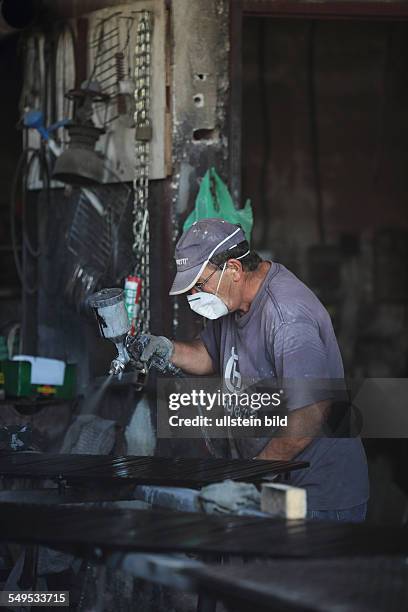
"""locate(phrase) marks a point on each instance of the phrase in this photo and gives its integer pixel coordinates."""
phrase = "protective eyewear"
(199, 286)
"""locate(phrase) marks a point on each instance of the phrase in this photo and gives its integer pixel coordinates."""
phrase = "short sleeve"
(211, 336)
(301, 365)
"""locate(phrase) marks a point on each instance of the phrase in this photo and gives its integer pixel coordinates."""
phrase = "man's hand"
(161, 353)
(155, 351)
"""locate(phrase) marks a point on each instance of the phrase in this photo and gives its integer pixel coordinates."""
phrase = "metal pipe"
(16, 15)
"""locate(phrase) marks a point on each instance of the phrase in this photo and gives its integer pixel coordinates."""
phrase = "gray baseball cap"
(197, 245)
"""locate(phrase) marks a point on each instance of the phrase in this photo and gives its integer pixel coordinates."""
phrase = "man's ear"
(236, 268)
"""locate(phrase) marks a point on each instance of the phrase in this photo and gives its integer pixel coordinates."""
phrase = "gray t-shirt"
(287, 334)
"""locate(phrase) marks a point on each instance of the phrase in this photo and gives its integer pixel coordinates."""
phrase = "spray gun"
(113, 320)
(111, 314)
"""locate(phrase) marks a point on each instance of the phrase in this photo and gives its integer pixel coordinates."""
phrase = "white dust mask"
(207, 304)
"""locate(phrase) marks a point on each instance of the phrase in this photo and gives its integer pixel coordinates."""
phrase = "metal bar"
(83, 529)
(69, 495)
(110, 50)
(108, 78)
(316, 9)
(112, 119)
(111, 68)
(105, 35)
(105, 61)
(193, 473)
(102, 38)
(375, 584)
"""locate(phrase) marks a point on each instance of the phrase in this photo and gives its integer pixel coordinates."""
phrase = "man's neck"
(254, 281)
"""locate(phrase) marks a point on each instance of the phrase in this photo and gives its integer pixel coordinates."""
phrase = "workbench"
(83, 530)
(306, 565)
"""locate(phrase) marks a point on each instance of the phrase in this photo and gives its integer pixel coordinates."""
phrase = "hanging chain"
(141, 230)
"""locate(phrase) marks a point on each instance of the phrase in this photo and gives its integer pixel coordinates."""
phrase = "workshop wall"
(361, 95)
(196, 78)
(325, 122)
(200, 93)
(54, 321)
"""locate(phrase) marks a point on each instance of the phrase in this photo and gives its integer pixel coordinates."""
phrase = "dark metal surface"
(357, 585)
(110, 529)
(335, 9)
(141, 470)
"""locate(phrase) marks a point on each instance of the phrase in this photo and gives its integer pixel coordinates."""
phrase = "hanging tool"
(34, 119)
(79, 163)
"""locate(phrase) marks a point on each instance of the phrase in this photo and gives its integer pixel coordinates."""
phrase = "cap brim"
(186, 279)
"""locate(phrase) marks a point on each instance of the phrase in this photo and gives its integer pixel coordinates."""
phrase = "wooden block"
(282, 500)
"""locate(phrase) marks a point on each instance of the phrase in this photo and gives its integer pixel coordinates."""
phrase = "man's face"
(230, 287)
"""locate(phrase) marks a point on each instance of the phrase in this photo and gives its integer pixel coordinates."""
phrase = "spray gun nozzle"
(121, 360)
(116, 367)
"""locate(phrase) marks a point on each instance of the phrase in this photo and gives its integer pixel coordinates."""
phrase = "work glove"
(154, 351)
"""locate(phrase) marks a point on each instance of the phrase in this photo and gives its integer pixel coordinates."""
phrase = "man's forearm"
(192, 357)
(284, 449)
(304, 425)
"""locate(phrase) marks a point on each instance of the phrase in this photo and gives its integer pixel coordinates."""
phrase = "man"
(264, 323)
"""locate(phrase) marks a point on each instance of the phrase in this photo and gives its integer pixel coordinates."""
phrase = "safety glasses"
(199, 286)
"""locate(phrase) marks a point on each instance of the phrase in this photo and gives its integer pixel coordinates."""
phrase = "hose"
(22, 168)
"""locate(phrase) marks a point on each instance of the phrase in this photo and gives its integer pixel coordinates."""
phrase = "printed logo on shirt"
(232, 375)
(233, 382)
(181, 262)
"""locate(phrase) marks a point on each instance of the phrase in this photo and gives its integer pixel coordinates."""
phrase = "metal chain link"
(141, 229)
